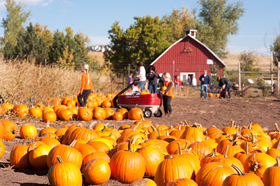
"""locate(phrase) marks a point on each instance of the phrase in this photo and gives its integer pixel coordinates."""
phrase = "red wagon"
(149, 103)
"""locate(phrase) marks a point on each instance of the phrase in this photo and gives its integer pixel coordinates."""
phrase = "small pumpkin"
(99, 113)
(2, 149)
(85, 114)
(118, 116)
(135, 113)
(49, 116)
(19, 157)
(36, 112)
(28, 130)
(21, 110)
(10, 129)
(270, 176)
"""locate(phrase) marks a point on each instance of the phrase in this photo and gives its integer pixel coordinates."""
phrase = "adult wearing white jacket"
(194, 83)
(141, 74)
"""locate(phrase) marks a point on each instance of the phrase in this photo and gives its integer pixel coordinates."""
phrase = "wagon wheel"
(158, 113)
(148, 113)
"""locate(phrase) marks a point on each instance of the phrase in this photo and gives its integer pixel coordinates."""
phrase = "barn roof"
(197, 42)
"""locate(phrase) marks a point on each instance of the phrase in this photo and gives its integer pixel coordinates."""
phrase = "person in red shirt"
(167, 93)
(86, 86)
(177, 82)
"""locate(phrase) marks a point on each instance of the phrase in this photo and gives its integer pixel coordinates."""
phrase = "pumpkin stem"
(73, 143)
(166, 134)
(276, 127)
(250, 126)
(25, 140)
(114, 126)
(231, 123)
(238, 170)
(133, 140)
(214, 154)
(59, 159)
(226, 151)
(142, 117)
(91, 125)
(129, 145)
(48, 124)
(180, 149)
(179, 128)
(154, 129)
(247, 148)
(135, 127)
(14, 131)
(278, 161)
(278, 145)
(253, 138)
(158, 133)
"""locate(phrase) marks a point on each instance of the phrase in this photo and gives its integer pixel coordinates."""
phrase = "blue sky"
(257, 28)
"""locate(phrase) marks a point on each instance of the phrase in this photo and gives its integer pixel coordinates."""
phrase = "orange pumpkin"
(84, 114)
(19, 157)
(49, 116)
(21, 110)
(270, 176)
(99, 113)
(182, 181)
(36, 112)
(38, 156)
(117, 116)
(28, 130)
(2, 149)
(135, 114)
(10, 129)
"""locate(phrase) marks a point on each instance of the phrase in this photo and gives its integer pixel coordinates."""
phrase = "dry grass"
(26, 83)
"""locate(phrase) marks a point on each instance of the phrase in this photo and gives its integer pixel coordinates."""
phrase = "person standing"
(226, 84)
(205, 81)
(141, 74)
(86, 86)
(189, 80)
(194, 83)
(177, 82)
(130, 80)
(167, 93)
(152, 78)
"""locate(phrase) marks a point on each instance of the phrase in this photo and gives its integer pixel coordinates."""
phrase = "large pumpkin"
(68, 153)
(271, 175)
(153, 156)
(83, 133)
(135, 113)
(38, 156)
(10, 129)
(171, 169)
(65, 174)
(193, 134)
(242, 179)
(258, 163)
(127, 166)
(213, 174)
(97, 171)
(19, 157)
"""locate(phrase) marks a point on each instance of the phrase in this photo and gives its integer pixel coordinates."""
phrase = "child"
(167, 93)
(135, 90)
(86, 87)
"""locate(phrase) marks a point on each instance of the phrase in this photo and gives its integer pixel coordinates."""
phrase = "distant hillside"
(232, 60)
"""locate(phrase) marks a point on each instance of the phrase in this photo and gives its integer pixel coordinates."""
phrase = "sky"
(258, 27)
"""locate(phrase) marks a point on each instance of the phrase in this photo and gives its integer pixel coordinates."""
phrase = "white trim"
(193, 39)
(187, 74)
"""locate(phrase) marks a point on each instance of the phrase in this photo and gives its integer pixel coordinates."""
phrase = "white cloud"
(99, 40)
(27, 2)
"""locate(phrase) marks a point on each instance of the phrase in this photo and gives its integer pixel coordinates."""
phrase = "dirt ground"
(208, 112)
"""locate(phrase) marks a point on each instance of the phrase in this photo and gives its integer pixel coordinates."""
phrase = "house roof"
(196, 41)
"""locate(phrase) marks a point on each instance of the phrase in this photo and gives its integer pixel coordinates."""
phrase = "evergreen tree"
(57, 48)
(81, 52)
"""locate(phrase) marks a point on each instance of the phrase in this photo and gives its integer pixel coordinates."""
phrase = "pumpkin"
(193, 134)
(47, 130)
(153, 156)
(210, 157)
(214, 132)
(117, 116)
(6, 107)
(143, 182)
(201, 149)
(242, 156)
(68, 153)
(99, 146)
(135, 113)
(1, 131)
(109, 113)
(36, 112)
(10, 129)
(171, 169)
(127, 166)
(106, 104)
(242, 179)
(232, 129)
(65, 174)
(94, 155)
(99, 113)
(84, 149)
(28, 130)
(38, 156)
(258, 163)
(21, 110)
(124, 111)
(182, 181)
(83, 133)
(50, 141)
(97, 171)
(71, 103)
(49, 116)
(143, 122)
(213, 174)
(66, 115)
(85, 114)
(274, 152)
(210, 95)
(2, 149)
(271, 175)
(19, 157)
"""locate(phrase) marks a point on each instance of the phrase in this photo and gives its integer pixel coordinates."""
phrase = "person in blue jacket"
(205, 81)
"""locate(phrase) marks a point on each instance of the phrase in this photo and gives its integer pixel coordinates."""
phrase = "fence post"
(239, 77)
(173, 70)
(271, 74)
(198, 75)
(278, 76)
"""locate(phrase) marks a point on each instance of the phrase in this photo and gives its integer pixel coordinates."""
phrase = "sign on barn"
(187, 57)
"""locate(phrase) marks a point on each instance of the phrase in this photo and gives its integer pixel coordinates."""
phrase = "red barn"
(187, 57)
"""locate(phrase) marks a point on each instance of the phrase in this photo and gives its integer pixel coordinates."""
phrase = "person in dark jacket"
(224, 83)
(205, 81)
(152, 78)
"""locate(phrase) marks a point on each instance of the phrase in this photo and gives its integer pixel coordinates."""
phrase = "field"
(207, 112)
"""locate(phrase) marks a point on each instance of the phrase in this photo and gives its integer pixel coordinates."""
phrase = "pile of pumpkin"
(98, 107)
(184, 154)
